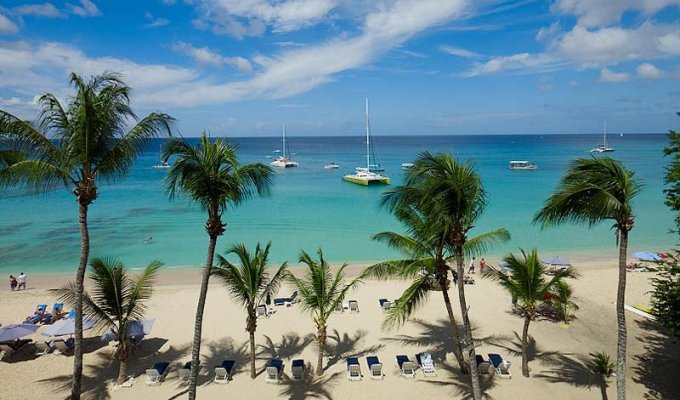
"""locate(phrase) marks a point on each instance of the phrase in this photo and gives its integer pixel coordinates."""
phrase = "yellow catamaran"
(365, 176)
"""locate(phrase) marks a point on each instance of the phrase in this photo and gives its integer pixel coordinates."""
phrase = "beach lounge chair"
(9, 349)
(55, 315)
(280, 301)
(156, 374)
(42, 348)
(298, 370)
(63, 347)
(406, 367)
(385, 304)
(35, 318)
(353, 369)
(274, 370)
(374, 367)
(223, 372)
(339, 308)
(264, 311)
(502, 367)
(184, 373)
(353, 306)
(483, 366)
(426, 364)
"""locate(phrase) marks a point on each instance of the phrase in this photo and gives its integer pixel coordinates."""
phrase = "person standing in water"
(22, 281)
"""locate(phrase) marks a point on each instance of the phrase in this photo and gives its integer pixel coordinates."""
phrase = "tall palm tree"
(562, 295)
(74, 147)
(526, 283)
(320, 292)
(210, 175)
(250, 284)
(427, 263)
(115, 300)
(594, 190)
(451, 195)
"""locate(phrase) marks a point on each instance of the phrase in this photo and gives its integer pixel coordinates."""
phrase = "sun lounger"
(10, 348)
(468, 280)
(63, 347)
(223, 372)
(385, 304)
(264, 311)
(353, 369)
(406, 367)
(375, 367)
(298, 369)
(339, 308)
(483, 366)
(35, 318)
(280, 301)
(55, 315)
(156, 374)
(42, 348)
(426, 364)
(502, 367)
(353, 306)
(274, 370)
(184, 373)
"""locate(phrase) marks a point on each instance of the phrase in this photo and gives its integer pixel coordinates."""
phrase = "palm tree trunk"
(458, 348)
(321, 334)
(198, 325)
(525, 350)
(603, 389)
(122, 357)
(252, 353)
(621, 319)
(468, 342)
(80, 278)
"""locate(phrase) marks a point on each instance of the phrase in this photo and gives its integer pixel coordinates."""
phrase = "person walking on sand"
(471, 268)
(482, 264)
(22, 281)
(12, 282)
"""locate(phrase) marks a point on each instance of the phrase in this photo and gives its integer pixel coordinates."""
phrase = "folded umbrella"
(647, 256)
(16, 331)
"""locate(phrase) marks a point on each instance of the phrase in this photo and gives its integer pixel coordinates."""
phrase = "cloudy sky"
(242, 67)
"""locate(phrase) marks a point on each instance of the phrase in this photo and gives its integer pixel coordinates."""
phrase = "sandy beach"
(557, 365)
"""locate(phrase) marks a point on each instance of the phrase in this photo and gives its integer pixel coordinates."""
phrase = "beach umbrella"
(556, 260)
(65, 327)
(140, 327)
(647, 256)
(16, 331)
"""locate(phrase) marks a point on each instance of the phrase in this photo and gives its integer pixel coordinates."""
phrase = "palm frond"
(407, 303)
(483, 243)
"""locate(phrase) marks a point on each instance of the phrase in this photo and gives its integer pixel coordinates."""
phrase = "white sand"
(555, 374)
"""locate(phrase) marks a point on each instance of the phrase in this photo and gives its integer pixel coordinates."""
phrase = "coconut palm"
(594, 190)
(600, 365)
(451, 195)
(526, 282)
(115, 300)
(210, 175)
(320, 292)
(562, 294)
(426, 264)
(249, 284)
(75, 147)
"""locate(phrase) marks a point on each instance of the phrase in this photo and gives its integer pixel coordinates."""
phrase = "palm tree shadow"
(311, 387)
(291, 344)
(342, 346)
(575, 372)
(534, 352)
(460, 384)
(656, 367)
(220, 350)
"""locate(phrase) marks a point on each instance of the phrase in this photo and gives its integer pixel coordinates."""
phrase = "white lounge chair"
(483, 366)
(406, 367)
(274, 371)
(375, 367)
(353, 369)
(156, 374)
(184, 373)
(224, 371)
(353, 306)
(502, 367)
(42, 348)
(339, 308)
(426, 364)
(264, 311)
(298, 370)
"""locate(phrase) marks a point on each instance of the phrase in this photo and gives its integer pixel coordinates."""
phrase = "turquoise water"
(311, 207)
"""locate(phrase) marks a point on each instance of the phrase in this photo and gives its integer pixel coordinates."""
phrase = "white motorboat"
(406, 166)
(331, 165)
(522, 165)
(282, 161)
(162, 164)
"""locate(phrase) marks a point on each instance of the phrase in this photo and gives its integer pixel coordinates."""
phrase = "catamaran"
(162, 164)
(282, 161)
(601, 148)
(367, 175)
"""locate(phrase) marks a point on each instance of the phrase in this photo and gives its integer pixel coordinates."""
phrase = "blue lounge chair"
(184, 373)
(274, 370)
(279, 301)
(375, 367)
(502, 367)
(353, 369)
(55, 315)
(156, 374)
(385, 304)
(483, 366)
(406, 366)
(223, 372)
(36, 317)
(298, 369)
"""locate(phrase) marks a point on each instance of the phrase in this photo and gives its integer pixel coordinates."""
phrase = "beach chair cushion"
(298, 369)
(406, 366)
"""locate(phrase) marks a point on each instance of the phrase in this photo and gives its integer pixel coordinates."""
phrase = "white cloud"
(204, 55)
(86, 9)
(607, 75)
(458, 52)
(155, 22)
(649, 71)
(40, 10)
(524, 62)
(548, 31)
(596, 13)
(6, 25)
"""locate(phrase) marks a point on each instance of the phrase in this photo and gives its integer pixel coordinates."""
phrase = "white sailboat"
(162, 164)
(367, 176)
(282, 161)
(602, 148)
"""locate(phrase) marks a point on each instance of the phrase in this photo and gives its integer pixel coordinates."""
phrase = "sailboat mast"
(605, 133)
(284, 140)
(368, 143)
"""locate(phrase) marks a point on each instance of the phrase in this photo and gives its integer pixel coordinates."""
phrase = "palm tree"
(320, 293)
(562, 294)
(591, 191)
(452, 196)
(73, 147)
(115, 300)
(211, 175)
(526, 283)
(600, 365)
(427, 263)
(250, 284)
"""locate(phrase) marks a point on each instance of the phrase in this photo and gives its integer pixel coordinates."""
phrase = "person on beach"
(22, 281)
(482, 264)
(12, 282)
(471, 269)
(148, 240)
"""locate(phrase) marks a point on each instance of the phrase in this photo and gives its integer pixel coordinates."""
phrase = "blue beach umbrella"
(66, 327)
(140, 327)
(647, 256)
(556, 260)
(16, 331)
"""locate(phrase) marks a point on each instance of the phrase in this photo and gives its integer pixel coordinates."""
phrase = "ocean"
(311, 207)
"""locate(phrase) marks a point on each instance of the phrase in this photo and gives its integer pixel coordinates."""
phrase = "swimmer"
(148, 240)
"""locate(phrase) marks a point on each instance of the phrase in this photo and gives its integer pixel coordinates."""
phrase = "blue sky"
(242, 67)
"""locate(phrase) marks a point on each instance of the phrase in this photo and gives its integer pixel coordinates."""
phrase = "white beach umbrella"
(66, 327)
(16, 331)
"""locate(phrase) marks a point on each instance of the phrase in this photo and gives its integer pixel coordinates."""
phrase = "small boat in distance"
(522, 165)
(602, 148)
(406, 166)
(366, 176)
(332, 165)
(282, 161)
(162, 164)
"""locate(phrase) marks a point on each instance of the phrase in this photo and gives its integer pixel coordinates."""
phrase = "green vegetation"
(666, 294)
(561, 298)
(602, 368)
(672, 177)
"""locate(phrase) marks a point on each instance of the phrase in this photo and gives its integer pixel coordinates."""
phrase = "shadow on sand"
(656, 367)
(340, 346)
